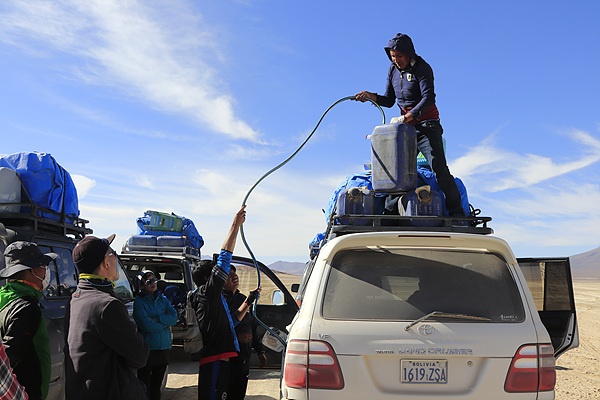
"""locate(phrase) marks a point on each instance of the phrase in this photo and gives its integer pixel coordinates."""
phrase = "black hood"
(402, 43)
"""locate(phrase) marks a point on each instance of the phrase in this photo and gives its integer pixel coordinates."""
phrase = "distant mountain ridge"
(288, 267)
(583, 266)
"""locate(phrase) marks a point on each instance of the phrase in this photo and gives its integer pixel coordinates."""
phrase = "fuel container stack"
(393, 185)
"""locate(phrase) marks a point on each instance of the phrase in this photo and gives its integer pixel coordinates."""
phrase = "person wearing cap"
(103, 347)
(154, 316)
(214, 319)
(22, 326)
(410, 85)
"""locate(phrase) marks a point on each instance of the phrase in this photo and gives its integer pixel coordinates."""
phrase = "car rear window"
(392, 284)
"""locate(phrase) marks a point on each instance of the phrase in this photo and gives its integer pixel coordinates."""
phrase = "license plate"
(424, 371)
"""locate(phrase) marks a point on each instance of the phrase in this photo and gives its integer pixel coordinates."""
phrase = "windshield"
(375, 284)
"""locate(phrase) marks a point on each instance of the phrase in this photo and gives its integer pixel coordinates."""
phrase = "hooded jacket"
(24, 333)
(154, 315)
(412, 88)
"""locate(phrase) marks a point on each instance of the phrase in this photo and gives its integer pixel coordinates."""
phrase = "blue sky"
(180, 105)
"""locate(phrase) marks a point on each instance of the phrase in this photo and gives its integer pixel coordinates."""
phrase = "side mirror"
(295, 287)
(277, 298)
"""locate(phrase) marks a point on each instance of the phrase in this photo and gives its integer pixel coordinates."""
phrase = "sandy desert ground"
(578, 371)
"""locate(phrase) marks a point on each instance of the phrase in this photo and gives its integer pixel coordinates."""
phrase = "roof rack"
(395, 223)
(361, 223)
(143, 250)
(43, 220)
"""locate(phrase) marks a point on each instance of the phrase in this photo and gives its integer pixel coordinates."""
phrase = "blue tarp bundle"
(193, 238)
(47, 183)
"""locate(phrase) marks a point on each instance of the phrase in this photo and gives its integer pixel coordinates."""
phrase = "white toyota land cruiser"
(427, 313)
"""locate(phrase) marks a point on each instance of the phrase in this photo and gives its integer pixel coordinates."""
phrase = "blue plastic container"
(394, 158)
(170, 243)
(422, 202)
(355, 201)
(142, 242)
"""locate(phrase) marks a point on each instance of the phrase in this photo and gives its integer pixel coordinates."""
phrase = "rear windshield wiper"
(446, 315)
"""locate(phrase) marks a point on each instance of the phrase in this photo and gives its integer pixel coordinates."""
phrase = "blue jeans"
(429, 142)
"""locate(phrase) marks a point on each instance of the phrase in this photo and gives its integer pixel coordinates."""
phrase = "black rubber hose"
(269, 173)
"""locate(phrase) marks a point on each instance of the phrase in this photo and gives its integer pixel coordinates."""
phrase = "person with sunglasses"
(103, 346)
(154, 316)
(22, 327)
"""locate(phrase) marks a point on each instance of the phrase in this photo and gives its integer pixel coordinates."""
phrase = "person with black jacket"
(246, 336)
(214, 319)
(103, 346)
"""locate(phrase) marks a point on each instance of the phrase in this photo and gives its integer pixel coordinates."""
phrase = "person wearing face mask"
(22, 326)
(103, 347)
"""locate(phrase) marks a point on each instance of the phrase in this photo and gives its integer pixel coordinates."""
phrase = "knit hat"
(90, 251)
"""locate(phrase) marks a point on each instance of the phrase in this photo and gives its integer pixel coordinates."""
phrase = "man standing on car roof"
(22, 326)
(103, 346)
(214, 319)
(410, 84)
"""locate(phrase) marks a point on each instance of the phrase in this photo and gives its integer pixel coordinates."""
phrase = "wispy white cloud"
(169, 63)
(143, 180)
(237, 152)
(282, 216)
(495, 169)
(565, 200)
(83, 185)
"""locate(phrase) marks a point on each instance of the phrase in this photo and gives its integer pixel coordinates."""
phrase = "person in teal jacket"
(154, 316)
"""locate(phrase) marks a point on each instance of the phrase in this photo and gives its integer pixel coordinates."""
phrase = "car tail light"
(312, 364)
(532, 369)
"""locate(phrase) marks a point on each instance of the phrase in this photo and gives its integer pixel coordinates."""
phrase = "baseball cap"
(90, 251)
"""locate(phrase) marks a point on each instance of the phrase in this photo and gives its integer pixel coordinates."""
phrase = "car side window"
(63, 276)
